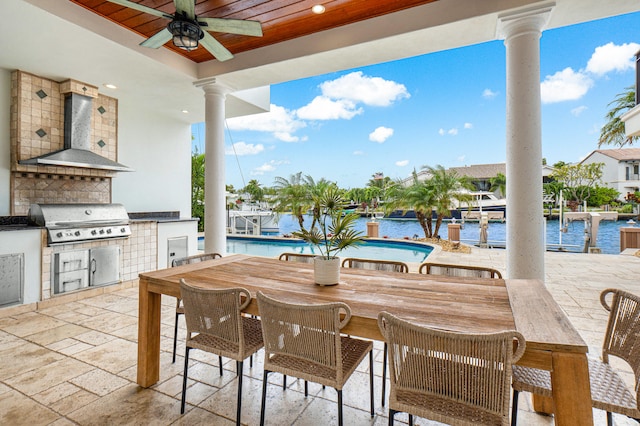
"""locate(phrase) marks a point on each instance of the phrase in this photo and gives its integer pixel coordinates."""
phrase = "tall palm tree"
(292, 195)
(316, 191)
(448, 187)
(613, 133)
(254, 189)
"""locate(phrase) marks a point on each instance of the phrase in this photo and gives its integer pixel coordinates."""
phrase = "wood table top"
(451, 303)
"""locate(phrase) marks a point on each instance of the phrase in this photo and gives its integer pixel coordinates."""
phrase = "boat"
(483, 201)
(252, 219)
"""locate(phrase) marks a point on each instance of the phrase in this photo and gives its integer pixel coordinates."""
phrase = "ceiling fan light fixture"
(186, 33)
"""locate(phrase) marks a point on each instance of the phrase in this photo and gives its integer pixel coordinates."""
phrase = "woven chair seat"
(440, 409)
(608, 390)
(252, 330)
(353, 351)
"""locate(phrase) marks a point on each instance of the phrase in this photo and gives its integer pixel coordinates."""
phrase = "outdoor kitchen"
(64, 237)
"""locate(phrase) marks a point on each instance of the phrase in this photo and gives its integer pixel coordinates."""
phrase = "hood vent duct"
(77, 140)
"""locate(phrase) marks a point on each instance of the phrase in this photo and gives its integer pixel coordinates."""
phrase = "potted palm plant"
(332, 232)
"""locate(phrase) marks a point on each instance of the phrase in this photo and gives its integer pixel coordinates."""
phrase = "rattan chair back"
(458, 270)
(307, 333)
(194, 259)
(214, 319)
(297, 257)
(375, 265)
(447, 376)
(622, 337)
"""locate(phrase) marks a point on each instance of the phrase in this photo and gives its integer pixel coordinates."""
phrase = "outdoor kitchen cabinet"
(79, 269)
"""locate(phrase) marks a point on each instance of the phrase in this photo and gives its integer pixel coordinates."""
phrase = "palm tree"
(613, 133)
(197, 188)
(447, 187)
(419, 197)
(315, 191)
(254, 189)
(499, 183)
(292, 196)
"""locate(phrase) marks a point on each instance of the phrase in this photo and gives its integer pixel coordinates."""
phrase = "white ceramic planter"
(326, 271)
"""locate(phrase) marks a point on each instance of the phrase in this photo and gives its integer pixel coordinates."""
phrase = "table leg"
(571, 390)
(148, 336)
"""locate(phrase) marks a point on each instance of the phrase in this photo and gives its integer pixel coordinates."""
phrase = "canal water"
(608, 239)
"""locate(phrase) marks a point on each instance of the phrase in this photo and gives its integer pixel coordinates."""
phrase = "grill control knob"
(77, 233)
(102, 231)
(109, 231)
(122, 230)
(93, 232)
(59, 234)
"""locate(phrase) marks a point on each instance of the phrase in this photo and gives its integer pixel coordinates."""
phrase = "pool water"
(383, 250)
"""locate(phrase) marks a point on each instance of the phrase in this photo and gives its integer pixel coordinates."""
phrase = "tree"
(447, 187)
(419, 197)
(613, 133)
(499, 183)
(578, 181)
(197, 188)
(292, 196)
(254, 189)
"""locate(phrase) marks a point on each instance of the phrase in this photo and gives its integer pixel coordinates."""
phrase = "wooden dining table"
(450, 303)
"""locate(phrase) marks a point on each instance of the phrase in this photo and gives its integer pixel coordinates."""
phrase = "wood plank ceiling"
(281, 19)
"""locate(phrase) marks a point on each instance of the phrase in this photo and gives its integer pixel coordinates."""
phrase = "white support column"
(525, 223)
(215, 228)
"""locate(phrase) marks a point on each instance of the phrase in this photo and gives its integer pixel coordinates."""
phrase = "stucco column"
(215, 228)
(525, 223)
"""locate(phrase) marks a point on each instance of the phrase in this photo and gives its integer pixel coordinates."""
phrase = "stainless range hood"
(77, 140)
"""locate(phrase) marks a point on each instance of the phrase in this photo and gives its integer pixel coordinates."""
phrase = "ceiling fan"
(187, 30)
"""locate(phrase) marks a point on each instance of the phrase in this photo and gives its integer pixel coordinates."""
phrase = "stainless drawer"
(69, 281)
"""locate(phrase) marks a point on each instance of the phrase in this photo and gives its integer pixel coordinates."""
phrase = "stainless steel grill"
(66, 223)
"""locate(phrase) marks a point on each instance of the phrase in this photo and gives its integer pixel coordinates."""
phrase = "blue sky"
(444, 108)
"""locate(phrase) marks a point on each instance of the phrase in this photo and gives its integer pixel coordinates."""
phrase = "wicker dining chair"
(458, 270)
(215, 324)
(304, 341)
(374, 264)
(608, 390)
(449, 377)
(378, 265)
(179, 308)
(297, 257)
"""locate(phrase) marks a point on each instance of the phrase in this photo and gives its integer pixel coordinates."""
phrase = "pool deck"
(75, 362)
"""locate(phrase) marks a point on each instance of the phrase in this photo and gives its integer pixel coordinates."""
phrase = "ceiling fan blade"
(158, 39)
(215, 48)
(142, 8)
(188, 7)
(232, 26)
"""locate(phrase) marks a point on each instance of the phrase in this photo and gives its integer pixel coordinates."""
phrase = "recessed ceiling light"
(185, 111)
(110, 86)
(318, 9)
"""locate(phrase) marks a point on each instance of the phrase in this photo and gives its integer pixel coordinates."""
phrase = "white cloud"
(453, 131)
(381, 134)
(358, 152)
(278, 121)
(355, 86)
(242, 148)
(323, 108)
(612, 57)
(468, 126)
(267, 167)
(441, 132)
(489, 94)
(565, 85)
(402, 163)
(579, 110)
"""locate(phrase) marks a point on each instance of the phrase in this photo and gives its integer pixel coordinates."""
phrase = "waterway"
(608, 239)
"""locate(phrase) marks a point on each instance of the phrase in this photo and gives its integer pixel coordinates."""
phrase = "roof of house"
(620, 154)
(481, 171)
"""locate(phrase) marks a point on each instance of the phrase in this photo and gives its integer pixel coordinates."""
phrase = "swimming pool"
(402, 251)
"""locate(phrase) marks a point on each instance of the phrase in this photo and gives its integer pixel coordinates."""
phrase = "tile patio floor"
(75, 363)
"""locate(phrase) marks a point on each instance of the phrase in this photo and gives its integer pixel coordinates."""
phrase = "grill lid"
(78, 222)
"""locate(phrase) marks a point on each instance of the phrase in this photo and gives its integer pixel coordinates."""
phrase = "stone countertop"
(169, 216)
(16, 223)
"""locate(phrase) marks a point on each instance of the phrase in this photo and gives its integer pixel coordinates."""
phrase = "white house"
(621, 169)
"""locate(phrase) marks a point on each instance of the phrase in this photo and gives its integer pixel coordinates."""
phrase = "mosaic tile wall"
(37, 128)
